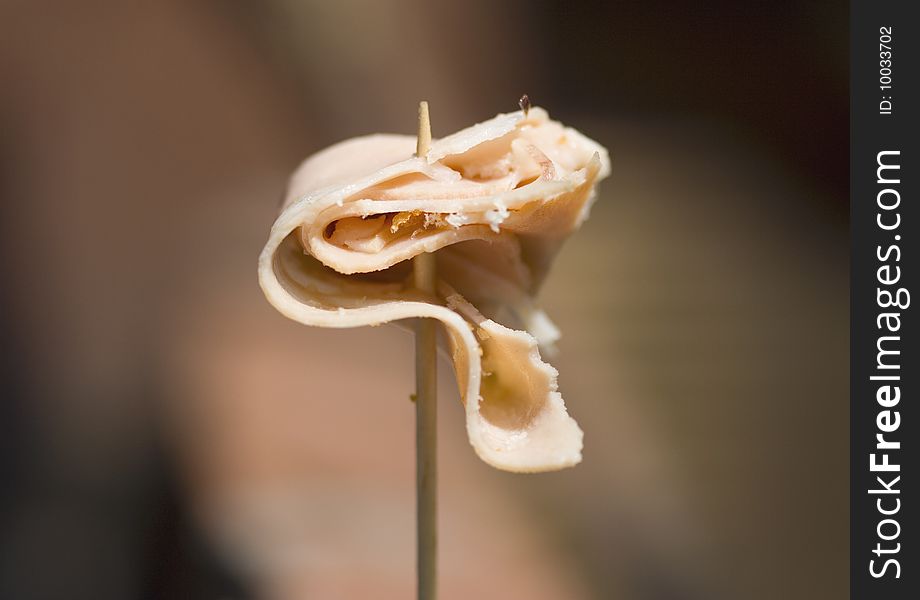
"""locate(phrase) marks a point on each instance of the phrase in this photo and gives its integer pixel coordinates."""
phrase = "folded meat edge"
(502, 448)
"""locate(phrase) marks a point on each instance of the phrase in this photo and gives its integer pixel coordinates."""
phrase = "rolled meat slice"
(494, 203)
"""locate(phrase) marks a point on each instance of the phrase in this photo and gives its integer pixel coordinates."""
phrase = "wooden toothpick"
(426, 408)
(424, 130)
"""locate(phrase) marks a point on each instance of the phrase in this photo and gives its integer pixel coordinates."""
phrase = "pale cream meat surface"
(494, 202)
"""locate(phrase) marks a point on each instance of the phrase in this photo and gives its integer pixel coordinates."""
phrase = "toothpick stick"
(426, 408)
(424, 130)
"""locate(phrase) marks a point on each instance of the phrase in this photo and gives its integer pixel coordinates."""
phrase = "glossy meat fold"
(494, 203)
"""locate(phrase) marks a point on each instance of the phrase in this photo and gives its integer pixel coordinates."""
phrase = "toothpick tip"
(424, 130)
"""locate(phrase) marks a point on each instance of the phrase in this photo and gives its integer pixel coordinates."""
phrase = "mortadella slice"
(494, 202)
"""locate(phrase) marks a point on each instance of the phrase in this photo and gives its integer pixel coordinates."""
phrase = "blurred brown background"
(165, 434)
